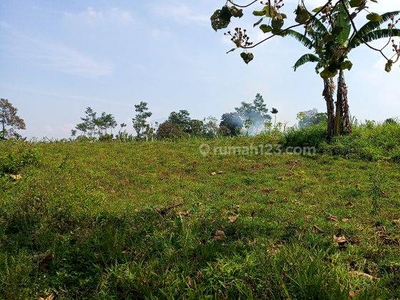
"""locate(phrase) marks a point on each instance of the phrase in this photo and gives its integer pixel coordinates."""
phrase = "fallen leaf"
(316, 229)
(352, 294)
(189, 281)
(44, 260)
(332, 218)
(47, 297)
(267, 190)
(219, 235)
(183, 213)
(340, 240)
(365, 275)
(233, 218)
(16, 177)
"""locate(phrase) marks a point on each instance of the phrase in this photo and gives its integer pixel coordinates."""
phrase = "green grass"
(96, 221)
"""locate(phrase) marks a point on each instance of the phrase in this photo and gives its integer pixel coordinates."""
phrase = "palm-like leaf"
(306, 58)
(302, 38)
(372, 36)
(372, 25)
(319, 26)
(310, 40)
(359, 36)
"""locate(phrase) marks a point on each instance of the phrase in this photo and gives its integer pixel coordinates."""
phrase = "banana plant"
(329, 30)
(332, 40)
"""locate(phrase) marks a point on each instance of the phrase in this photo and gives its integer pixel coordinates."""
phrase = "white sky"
(59, 57)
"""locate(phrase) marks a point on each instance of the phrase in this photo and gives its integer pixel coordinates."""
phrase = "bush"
(369, 141)
(17, 159)
(170, 130)
(106, 137)
(311, 136)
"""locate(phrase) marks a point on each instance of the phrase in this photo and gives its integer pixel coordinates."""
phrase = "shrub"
(106, 137)
(370, 141)
(311, 136)
(17, 159)
(170, 130)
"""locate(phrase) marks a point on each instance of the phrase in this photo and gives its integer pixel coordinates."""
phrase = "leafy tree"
(9, 120)
(182, 119)
(224, 131)
(88, 126)
(93, 126)
(330, 30)
(140, 121)
(170, 130)
(310, 117)
(185, 124)
(339, 116)
(196, 127)
(231, 123)
(105, 122)
(211, 128)
(253, 117)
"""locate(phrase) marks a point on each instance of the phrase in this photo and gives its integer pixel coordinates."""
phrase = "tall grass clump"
(310, 136)
(370, 141)
(18, 155)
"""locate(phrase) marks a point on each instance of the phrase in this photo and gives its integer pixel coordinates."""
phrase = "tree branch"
(291, 27)
(241, 6)
(363, 41)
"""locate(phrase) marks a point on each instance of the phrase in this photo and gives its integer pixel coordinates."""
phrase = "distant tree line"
(247, 119)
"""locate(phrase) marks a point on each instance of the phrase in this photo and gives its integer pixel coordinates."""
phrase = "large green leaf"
(327, 73)
(388, 66)
(373, 36)
(372, 25)
(343, 24)
(267, 11)
(277, 23)
(346, 65)
(302, 15)
(302, 38)
(258, 22)
(265, 28)
(356, 3)
(306, 58)
(247, 57)
(319, 26)
(221, 18)
(374, 17)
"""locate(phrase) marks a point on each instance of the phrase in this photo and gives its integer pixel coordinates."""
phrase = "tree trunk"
(342, 118)
(329, 88)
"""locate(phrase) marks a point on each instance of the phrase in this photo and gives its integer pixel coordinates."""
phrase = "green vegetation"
(158, 220)
(9, 120)
(329, 30)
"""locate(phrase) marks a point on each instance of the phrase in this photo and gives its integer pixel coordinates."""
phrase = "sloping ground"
(161, 220)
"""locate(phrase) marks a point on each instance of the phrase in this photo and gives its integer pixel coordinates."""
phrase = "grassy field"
(159, 220)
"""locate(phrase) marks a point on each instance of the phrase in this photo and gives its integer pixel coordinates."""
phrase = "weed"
(158, 220)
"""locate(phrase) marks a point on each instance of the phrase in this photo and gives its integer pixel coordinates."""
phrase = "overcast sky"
(58, 57)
